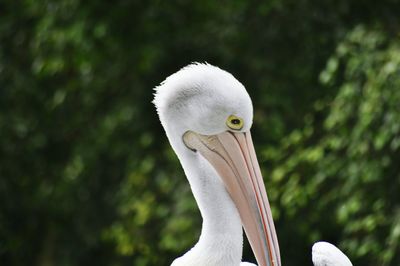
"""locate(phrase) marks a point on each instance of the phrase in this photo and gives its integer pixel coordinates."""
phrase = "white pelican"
(207, 115)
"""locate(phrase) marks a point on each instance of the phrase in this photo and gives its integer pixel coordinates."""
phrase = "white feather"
(326, 254)
(200, 97)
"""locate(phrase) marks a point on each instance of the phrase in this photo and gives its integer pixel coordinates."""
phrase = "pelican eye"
(234, 122)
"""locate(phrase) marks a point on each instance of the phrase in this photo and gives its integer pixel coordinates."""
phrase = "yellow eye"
(234, 122)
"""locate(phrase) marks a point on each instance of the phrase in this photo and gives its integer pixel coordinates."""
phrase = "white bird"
(326, 254)
(207, 115)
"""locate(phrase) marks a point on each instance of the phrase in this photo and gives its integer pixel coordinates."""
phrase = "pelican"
(207, 115)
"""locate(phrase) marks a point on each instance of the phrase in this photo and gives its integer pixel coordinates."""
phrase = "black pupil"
(235, 121)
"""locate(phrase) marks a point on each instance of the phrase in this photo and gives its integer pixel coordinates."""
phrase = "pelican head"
(207, 115)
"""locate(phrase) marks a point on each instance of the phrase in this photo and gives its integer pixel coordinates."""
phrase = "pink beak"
(234, 158)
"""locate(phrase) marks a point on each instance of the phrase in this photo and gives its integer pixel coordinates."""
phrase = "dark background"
(87, 176)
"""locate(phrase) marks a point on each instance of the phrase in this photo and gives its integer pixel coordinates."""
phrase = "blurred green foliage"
(86, 173)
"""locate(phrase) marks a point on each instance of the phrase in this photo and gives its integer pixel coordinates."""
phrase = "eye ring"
(234, 122)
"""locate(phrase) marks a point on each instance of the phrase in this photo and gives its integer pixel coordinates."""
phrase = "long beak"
(234, 158)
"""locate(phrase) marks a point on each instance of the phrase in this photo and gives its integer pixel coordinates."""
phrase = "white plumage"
(219, 162)
(199, 97)
(326, 254)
